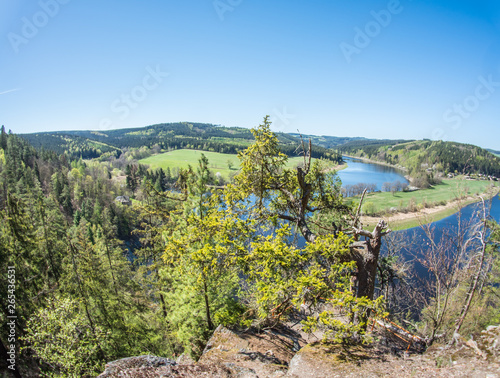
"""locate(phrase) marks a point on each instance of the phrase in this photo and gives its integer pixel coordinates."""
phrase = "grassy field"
(183, 158)
(217, 162)
(438, 195)
(448, 190)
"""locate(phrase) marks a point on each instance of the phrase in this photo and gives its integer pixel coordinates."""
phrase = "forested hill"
(494, 152)
(415, 156)
(338, 142)
(102, 263)
(200, 136)
(426, 155)
(330, 141)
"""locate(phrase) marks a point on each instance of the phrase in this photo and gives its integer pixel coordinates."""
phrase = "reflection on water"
(469, 213)
(359, 171)
(368, 173)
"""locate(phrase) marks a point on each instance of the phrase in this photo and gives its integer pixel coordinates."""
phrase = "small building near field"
(124, 200)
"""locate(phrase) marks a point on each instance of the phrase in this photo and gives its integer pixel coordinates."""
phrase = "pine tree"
(3, 138)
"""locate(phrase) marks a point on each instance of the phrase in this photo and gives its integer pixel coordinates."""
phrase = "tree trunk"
(207, 305)
(366, 254)
(477, 275)
(163, 306)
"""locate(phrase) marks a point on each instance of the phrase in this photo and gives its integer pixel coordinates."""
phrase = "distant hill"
(199, 136)
(497, 153)
(329, 141)
(416, 156)
(426, 155)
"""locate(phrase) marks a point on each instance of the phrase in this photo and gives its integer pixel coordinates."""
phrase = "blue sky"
(381, 69)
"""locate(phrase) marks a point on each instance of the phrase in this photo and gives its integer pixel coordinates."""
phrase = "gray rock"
(242, 372)
(147, 361)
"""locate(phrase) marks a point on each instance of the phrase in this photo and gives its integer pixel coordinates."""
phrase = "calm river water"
(361, 172)
(358, 171)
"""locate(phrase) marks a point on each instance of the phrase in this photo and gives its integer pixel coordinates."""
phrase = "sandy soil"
(423, 215)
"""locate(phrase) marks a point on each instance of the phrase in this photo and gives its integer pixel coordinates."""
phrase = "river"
(417, 242)
(358, 171)
(361, 172)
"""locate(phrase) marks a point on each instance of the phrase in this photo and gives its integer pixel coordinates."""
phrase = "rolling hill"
(183, 135)
(428, 156)
(415, 156)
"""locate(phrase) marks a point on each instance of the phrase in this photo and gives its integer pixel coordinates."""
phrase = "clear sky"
(382, 69)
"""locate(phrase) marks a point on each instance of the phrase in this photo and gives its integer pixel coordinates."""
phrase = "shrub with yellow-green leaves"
(62, 337)
(284, 277)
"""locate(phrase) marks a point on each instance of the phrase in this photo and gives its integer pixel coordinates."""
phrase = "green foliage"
(339, 324)
(101, 281)
(280, 190)
(262, 165)
(62, 338)
(346, 318)
(274, 269)
(369, 207)
(173, 136)
(439, 156)
(284, 278)
(200, 247)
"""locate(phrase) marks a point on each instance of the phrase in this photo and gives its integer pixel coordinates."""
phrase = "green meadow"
(450, 189)
(217, 162)
(183, 158)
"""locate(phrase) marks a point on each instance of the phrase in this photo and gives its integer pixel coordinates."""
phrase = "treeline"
(330, 142)
(138, 176)
(72, 146)
(358, 189)
(433, 157)
(205, 137)
(368, 147)
(97, 280)
(66, 239)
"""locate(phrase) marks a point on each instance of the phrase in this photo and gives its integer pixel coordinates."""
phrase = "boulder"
(138, 364)
(320, 360)
(152, 366)
(253, 353)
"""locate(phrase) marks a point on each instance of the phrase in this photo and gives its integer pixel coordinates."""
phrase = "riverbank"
(423, 215)
(370, 161)
(338, 167)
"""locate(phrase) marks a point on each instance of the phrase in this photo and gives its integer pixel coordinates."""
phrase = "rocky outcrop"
(284, 352)
(253, 354)
(488, 344)
(152, 367)
(336, 360)
(136, 364)
(227, 354)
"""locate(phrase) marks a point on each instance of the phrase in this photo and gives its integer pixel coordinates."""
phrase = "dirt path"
(425, 215)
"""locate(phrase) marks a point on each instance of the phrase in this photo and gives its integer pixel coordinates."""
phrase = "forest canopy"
(98, 279)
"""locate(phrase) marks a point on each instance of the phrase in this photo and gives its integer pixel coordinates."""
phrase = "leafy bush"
(62, 337)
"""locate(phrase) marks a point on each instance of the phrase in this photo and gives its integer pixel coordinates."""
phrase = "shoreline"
(366, 160)
(402, 221)
(338, 167)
